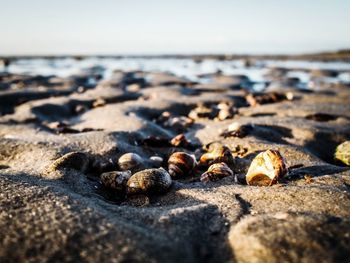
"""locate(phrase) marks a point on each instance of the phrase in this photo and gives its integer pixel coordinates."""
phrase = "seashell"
(164, 116)
(130, 161)
(217, 154)
(266, 168)
(178, 123)
(290, 95)
(255, 99)
(116, 180)
(235, 129)
(342, 153)
(133, 87)
(179, 140)
(225, 114)
(57, 124)
(227, 111)
(212, 146)
(81, 108)
(216, 172)
(223, 105)
(156, 160)
(99, 103)
(149, 181)
(181, 164)
(202, 111)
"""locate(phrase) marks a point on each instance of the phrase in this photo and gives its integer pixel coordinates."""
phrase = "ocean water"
(187, 68)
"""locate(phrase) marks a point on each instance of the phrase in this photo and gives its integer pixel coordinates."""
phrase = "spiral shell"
(181, 164)
(266, 168)
(149, 181)
(130, 161)
(216, 172)
(217, 154)
(116, 180)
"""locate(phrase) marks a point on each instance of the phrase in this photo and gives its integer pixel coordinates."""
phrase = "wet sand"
(69, 216)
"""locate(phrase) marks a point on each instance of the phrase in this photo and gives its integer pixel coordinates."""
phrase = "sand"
(65, 216)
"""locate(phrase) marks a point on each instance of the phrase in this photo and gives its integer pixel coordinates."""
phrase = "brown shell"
(179, 141)
(181, 164)
(116, 180)
(149, 181)
(130, 161)
(266, 168)
(216, 172)
(217, 155)
(202, 111)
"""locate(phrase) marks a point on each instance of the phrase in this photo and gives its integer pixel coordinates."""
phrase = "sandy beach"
(104, 108)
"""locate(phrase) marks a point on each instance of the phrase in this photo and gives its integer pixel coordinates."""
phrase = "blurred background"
(119, 27)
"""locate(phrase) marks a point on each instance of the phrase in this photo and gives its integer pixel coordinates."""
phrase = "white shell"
(129, 161)
(266, 168)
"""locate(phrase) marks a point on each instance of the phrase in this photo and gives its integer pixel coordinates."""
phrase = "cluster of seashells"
(224, 110)
(133, 178)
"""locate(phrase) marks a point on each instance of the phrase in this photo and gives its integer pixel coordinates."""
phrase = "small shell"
(116, 180)
(342, 153)
(130, 161)
(99, 103)
(235, 129)
(179, 123)
(179, 141)
(266, 168)
(149, 181)
(81, 108)
(225, 114)
(234, 126)
(156, 160)
(218, 154)
(227, 110)
(216, 172)
(181, 164)
(264, 98)
(202, 111)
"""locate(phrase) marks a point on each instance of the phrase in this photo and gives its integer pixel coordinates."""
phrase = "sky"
(57, 27)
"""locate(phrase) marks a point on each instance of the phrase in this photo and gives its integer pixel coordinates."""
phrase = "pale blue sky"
(182, 26)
